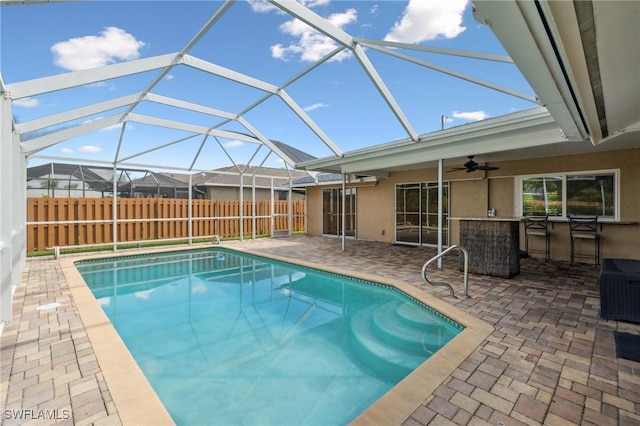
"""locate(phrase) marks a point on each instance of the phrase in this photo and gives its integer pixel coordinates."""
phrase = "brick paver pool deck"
(549, 360)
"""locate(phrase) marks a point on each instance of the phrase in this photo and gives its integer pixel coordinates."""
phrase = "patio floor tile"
(550, 359)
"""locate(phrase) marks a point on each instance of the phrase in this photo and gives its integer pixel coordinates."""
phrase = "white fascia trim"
(545, 135)
(518, 121)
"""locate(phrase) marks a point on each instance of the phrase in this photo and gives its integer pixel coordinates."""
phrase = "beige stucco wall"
(233, 193)
(472, 194)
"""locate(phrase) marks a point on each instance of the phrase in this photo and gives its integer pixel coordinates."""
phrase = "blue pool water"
(228, 338)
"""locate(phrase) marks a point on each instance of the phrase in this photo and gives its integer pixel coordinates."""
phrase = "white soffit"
(520, 29)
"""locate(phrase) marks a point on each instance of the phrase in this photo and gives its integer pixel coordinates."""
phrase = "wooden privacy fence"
(78, 221)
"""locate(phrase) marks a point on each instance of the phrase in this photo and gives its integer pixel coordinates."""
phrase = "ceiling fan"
(472, 166)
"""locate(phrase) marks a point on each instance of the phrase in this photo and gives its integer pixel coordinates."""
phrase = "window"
(542, 195)
(562, 195)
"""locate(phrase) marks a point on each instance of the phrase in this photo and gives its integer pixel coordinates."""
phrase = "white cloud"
(311, 45)
(233, 144)
(102, 84)
(90, 148)
(111, 45)
(428, 20)
(314, 3)
(169, 77)
(315, 106)
(66, 150)
(26, 103)
(261, 6)
(471, 116)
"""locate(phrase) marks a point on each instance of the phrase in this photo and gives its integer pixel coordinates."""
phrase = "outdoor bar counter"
(493, 245)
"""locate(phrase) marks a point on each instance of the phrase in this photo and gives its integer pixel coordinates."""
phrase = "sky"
(260, 41)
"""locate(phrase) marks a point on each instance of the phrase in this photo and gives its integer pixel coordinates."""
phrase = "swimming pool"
(230, 338)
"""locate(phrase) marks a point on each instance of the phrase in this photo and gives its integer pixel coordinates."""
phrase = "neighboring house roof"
(293, 153)
(319, 178)
(153, 181)
(100, 178)
(96, 178)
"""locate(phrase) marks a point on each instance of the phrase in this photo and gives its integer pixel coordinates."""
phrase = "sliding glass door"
(332, 212)
(417, 213)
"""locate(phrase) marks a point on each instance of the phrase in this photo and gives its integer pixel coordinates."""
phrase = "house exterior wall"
(233, 193)
(471, 195)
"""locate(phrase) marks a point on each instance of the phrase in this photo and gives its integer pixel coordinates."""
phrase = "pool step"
(405, 326)
(374, 354)
(394, 338)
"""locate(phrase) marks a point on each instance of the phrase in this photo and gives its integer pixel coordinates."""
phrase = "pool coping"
(137, 402)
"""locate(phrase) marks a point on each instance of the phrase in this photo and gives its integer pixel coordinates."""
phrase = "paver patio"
(549, 360)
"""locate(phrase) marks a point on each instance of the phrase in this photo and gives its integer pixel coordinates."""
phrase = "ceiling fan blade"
(487, 168)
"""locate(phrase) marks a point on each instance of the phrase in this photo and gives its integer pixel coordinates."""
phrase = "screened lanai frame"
(27, 139)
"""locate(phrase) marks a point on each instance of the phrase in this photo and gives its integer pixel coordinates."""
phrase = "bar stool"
(584, 228)
(538, 226)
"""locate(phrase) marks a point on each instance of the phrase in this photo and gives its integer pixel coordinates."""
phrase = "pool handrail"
(466, 270)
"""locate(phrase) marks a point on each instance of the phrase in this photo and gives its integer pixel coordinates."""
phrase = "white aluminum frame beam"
(460, 75)
(309, 122)
(439, 50)
(229, 74)
(384, 91)
(74, 114)
(7, 184)
(155, 148)
(299, 11)
(37, 144)
(38, 86)
(190, 106)
(192, 128)
(320, 24)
